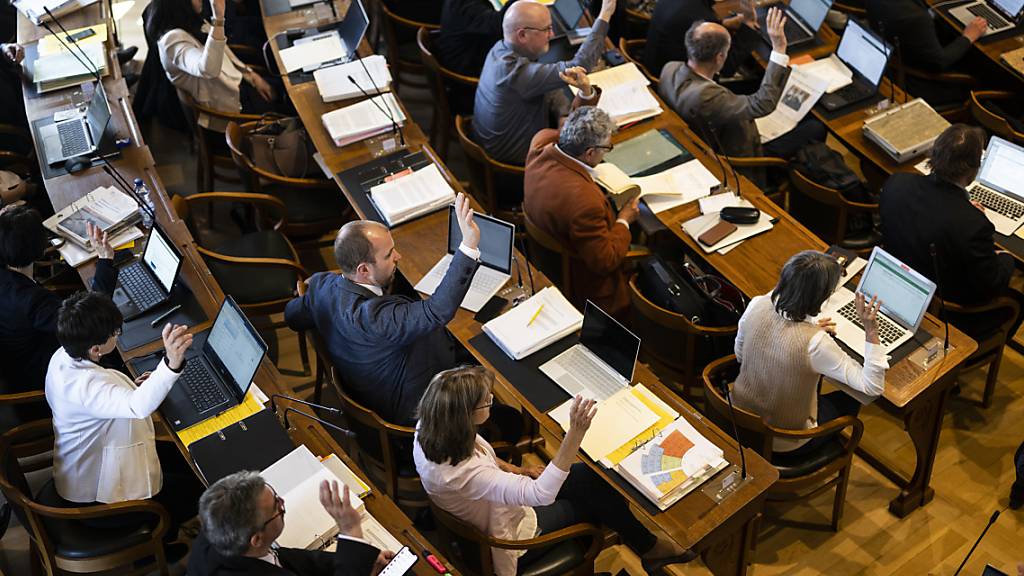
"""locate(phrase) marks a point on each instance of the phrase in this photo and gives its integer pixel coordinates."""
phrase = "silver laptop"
(78, 135)
(496, 237)
(999, 187)
(603, 361)
(803, 20)
(1001, 15)
(904, 293)
(350, 32)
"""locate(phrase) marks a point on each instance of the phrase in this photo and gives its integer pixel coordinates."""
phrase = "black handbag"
(705, 299)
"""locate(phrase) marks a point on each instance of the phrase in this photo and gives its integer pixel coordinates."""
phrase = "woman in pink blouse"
(462, 475)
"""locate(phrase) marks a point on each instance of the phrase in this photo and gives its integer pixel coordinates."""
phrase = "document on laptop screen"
(1002, 167)
(903, 296)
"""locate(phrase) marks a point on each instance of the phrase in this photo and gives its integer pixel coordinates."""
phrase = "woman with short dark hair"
(783, 351)
(462, 475)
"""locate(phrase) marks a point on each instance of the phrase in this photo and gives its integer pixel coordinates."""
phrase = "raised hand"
(776, 24)
(868, 314)
(218, 9)
(607, 9)
(99, 241)
(338, 505)
(176, 343)
(464, 214)
(577, 78)
(581, 414)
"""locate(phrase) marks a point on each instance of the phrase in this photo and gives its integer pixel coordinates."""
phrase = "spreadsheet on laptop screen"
(236, 345)
(1002, 167)
(904, 295)
(863, 52)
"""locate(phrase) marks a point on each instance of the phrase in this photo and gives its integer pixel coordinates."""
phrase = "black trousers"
(830, 406)
(585, 497)
(253, 103)
(809, 130)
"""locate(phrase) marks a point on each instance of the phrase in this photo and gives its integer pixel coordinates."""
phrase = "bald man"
(516, 94)
(386, 347)
(725, 119)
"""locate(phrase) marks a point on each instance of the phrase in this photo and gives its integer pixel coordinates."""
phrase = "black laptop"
(865, 54)
(217, 377)
(147, 282)
(803, 19)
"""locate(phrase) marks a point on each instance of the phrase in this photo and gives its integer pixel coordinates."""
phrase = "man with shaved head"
(517, 94)
(386, 347)
(726, 120)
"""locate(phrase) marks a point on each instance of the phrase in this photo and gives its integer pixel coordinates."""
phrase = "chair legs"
(991, 378)
(840, 500)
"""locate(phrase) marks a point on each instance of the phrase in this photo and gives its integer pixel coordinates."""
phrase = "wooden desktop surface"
(136, 161)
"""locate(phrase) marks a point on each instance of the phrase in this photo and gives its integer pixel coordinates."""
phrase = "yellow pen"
(535, 314)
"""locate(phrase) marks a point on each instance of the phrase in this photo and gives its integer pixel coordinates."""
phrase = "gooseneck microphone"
(736, 431)
(938, 287)
(991, 521)
(385, 109)
(273, 407)
(333, 426)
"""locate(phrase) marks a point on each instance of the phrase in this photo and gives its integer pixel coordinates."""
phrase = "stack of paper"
(334, 82)
(620, 421)
(62, 69)
(364, 119)
(703, 223)
(310, 52)
(412, 196)
(831, 70)
(50, 44)
(107, 208)
(522, 330)
(624, 94)
(35, 10)
(802, 91)
(672, 464)
(662, 191)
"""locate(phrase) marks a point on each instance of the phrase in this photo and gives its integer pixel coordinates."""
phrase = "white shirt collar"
(589, 169)
(375, 289)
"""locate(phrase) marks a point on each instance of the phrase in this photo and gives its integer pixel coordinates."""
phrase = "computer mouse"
(77, 164)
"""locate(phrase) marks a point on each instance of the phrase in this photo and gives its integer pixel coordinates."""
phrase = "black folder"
(253, 443)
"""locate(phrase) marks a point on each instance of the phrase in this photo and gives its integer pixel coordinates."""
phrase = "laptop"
(904, 293)
(865, 55)
(998, 186)
(496, 237)
(147, 282)
(350, 32)
(565, 15)
(603, 361)
(79, 135)
(803, 19)
(217, 378)
(1001, 15)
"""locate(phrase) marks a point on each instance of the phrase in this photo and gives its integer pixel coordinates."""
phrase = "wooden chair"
(471, 549)
(15, 409)
(990, 349)
(857, 11)
(633, 51)
(499, 185)
(800, 478)
(315, 208)
(827, 213)
(759, 167)
(392, 24)
(985, 110)
(441, 80)
(59, 541)
(660, 330)
(548, 254)
(955, 111)
(637, 24)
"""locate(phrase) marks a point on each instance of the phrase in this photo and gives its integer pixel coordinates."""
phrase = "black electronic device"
(740, 214)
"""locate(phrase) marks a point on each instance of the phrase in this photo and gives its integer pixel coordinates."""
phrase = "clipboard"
(253, 443)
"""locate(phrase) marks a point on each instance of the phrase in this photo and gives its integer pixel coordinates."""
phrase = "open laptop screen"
(609, 340)
(1002, 167)
(813, 12)
(904, 293)
(98, 114)
(161, 258)
(1011, 8)
(495, 239)
(569, 11)
(234, 347)
(863, 52)
(353, 27)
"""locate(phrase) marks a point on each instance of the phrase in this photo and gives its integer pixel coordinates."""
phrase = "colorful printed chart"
(664, 461)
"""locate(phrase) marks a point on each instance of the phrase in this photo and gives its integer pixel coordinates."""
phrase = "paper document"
(620, 75)
(802, 91)
(701, 224)
(76, 255)
(666, 415)
(619, 419)
(830, 69)
(625, 95)
(67, 64)
(333, 82)
(716, 202)
(402, 199)
(49, 44)
(253, 403)
(689, 181)
(363, 119)
(521, 331)
(312, 51)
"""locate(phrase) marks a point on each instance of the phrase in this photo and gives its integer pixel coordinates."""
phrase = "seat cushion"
(309, 206)
(862, 240)
(76, 539)
(557, 559)
(250, 284)
(791, 466)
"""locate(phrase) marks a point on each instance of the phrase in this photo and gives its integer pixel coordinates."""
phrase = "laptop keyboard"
(853, 92)
(997, 202)
(991, 16)
(888, 331)
(201, 390)
(140, 286)
(577, 363)
(72, 138)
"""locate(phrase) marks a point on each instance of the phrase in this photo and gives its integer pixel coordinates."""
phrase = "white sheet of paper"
(832, 70)
(318, 49)
(801, 93)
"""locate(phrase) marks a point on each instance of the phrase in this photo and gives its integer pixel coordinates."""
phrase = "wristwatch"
(217, 22)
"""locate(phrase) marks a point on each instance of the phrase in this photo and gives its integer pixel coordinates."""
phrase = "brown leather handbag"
(282, 146)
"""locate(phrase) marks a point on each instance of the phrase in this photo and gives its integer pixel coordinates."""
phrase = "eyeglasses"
(490, 402)
(278, 505)
(607, 148)
(547, 29)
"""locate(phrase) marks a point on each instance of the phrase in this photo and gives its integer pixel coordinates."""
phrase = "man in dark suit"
(469, 28)
(672, 18)
(387, 347)
(909, 25)
(562, 199)
(725, 119)
(919, 212)
(242, 516)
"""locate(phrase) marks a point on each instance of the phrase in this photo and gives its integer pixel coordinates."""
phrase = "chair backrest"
(993, 121)
(463, 542)
(392, 23)
(548, 254)
(719, 376)
(238, 140)
(633, 51)
(823, 209)
(485, 169)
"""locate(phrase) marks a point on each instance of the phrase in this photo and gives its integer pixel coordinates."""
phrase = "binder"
(253, 443)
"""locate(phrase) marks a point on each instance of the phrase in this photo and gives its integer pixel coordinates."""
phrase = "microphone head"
(351, 79)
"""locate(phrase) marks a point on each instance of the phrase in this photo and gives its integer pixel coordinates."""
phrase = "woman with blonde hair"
(462, 475)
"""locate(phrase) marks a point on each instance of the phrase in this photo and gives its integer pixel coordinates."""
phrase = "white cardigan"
(210, 74)
(105, 447)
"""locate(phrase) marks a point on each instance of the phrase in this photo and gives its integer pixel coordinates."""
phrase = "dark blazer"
(28, 325)
(562, 199)
(702, 102)
(386, 348)
(469, 28)
(666, 35)
(350, 558)
(919, 42)
(920, 210)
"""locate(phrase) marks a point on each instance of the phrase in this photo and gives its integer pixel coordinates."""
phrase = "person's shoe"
(125, 55)
(656, 566)
(1016, 496)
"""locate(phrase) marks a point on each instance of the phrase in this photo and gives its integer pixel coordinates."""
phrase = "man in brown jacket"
(562, 199)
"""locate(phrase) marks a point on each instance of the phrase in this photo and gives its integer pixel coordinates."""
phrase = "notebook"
(522, 330)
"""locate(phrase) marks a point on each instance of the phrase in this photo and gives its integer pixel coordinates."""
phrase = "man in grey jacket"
(724, 119)
(517, 94)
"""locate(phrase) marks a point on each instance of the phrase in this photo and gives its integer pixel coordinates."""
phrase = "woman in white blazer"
(105, 447)
(197, 60)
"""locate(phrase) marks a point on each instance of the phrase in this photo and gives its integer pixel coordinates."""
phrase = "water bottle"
(142, 192)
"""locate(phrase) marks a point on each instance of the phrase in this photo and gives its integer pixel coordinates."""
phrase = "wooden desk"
(136, 161)
(722, 533)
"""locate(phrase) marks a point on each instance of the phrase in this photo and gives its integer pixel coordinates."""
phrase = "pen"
(165, 315)
(535, 314)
